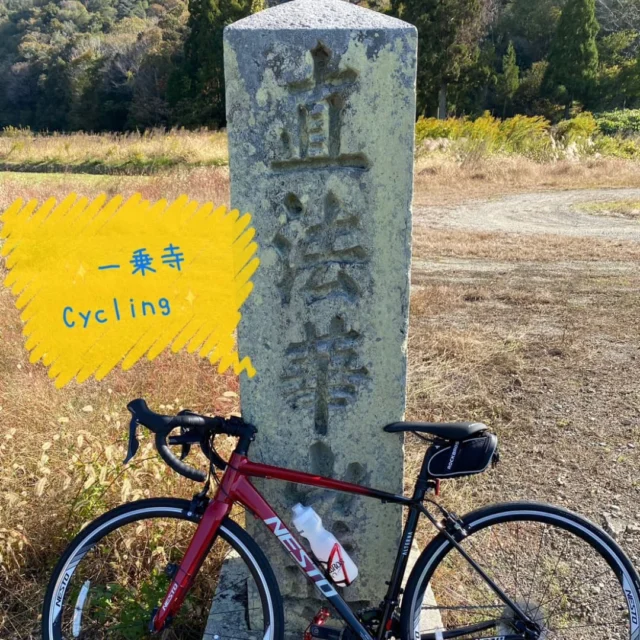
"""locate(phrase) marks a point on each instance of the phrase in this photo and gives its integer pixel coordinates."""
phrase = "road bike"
(183, 569)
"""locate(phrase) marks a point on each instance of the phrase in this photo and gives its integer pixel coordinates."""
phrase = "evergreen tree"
(630, 80)
(509, 79)
(573, 60)
(196, 88)
(530, 25)
(449, 33)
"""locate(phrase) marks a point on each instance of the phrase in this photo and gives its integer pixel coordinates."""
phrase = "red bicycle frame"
(236, 487)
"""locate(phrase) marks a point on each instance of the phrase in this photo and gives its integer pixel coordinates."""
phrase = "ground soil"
(524, 314)
(542, 343)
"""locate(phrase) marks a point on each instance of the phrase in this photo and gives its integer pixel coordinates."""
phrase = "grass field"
(124, 154)
(536, 335)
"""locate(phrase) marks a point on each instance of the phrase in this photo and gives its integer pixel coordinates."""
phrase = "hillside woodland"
(121, 65)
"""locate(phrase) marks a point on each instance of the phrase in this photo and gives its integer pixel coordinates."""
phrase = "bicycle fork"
(182, 579)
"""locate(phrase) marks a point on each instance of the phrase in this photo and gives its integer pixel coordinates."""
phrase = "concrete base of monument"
(430, 619)
(232, 616)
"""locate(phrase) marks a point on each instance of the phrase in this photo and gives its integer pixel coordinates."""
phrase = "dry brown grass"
(539, 352)
(131, 153)
(61, 457)
(441, 179)
(544, 355)
(201, 184)
(61, 452)
(440, 176)
(503, 247)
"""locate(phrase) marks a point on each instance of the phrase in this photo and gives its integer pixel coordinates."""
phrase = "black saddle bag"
(464, 457)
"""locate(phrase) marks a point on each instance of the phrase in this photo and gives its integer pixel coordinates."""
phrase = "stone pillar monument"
(320, 108)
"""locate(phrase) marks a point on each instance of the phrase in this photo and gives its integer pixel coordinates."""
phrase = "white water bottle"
(324, 545)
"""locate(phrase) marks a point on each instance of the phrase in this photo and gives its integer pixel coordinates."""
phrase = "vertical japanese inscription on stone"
(322, 100)
(325, 254)
(320, 108)
(319, 243)
(323, 371)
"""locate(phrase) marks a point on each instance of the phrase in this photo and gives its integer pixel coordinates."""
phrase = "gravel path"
(545, 350)
(534, 213)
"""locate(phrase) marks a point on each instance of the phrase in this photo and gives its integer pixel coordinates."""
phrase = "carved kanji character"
(324, 255)
(323, 370)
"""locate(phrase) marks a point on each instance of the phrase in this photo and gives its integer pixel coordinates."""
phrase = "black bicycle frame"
(391, 599)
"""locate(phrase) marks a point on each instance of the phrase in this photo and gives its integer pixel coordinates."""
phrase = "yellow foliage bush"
(617, 147)
(529, 136)
(582, 127)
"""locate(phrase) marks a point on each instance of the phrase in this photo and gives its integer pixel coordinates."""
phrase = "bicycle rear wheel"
(114, 574)
(565, 573)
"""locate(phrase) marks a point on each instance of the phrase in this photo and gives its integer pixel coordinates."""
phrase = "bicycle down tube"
(235, 487)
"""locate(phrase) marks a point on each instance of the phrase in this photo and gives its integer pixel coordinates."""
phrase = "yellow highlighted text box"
(108, 281)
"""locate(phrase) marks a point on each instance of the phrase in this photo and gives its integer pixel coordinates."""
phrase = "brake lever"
(185, 440)
(132, 449)
(186, 447)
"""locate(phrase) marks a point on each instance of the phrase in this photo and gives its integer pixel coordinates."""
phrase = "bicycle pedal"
(324, 633)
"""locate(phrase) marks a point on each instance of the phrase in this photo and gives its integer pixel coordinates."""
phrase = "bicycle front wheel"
(565, 574)
(115, 573)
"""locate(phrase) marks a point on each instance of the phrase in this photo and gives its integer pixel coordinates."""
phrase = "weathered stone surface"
(228, 616)
(320, 106)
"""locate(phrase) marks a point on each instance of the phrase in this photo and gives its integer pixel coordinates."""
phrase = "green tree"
(573, 61)
(471, 94)
(616, 49)
(509, 79)
(530, 25)
(630, 81)
(196, 88)
(55, 96)
(616, 70)
(449, 33)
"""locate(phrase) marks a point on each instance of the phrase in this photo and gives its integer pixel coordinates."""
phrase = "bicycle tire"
(140, 511)
(477, 521)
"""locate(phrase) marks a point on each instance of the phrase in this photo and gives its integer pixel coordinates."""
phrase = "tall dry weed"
(61, 454)
(129, 153)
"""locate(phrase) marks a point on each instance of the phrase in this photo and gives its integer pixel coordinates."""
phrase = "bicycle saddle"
(445, 430)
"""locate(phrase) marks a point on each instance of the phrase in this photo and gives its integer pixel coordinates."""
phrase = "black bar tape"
(175, 463)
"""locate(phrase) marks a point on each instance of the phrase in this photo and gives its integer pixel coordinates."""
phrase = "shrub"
(521, 134)
(617, 147)
(432, 128)
(528, 136)
(623, 122)
(579, 129)
(533, 136)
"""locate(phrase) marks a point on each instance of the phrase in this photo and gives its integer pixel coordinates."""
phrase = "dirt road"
(556, 212)
(525, 315)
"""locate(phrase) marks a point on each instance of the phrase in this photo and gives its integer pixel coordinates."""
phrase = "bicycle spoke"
(555, 570)
(557, 579)
(125, 580)
(535, 568)
(574, 587)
